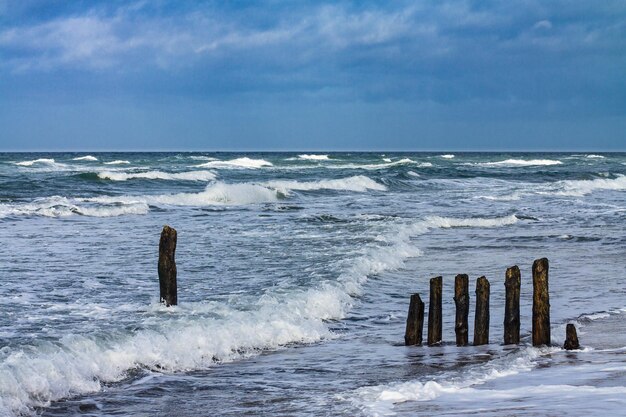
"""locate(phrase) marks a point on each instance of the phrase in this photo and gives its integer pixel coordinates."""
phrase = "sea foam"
(79, 364)
(521, 163)
(358, 183)
(85, 158)
(117, 162)
(244, 162)
(40, 162)
(158, 175)
(579, 188)
(314, 157)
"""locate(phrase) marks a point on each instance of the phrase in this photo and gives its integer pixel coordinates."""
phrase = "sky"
(295, 75)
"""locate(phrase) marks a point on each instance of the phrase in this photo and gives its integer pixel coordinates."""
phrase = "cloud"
(434, 51)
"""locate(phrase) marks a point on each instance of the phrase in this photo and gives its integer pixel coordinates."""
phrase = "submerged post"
(571, 338)
(167, 267)
(481, 319)
(541, 303)
(434, 312)
(512, 283)
(461, 299)
(414, 321)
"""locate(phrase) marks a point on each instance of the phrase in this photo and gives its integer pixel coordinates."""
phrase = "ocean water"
(294, 275)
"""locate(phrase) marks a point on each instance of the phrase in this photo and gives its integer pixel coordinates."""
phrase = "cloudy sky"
(280, 75)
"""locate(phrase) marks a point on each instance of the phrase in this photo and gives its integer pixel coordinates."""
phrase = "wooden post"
(512, 283)
(541, 303)
(481, 320)
(167, 267)
(461, 299)
(414, 321)
(571, 338)
(434, 312)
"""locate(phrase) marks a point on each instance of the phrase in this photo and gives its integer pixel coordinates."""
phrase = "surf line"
(512, 283)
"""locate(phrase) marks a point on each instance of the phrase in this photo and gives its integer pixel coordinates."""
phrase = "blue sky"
(289, 75)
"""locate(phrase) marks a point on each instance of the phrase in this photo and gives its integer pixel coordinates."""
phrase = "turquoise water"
(294, 276)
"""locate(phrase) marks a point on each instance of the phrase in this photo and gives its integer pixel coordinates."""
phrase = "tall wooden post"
(512, 283)
(414, 321)
(541, 303)
(167, 267)
(434, 311)
(461, 299)
(481, 320)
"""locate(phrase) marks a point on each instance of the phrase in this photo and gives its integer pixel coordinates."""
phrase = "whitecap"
(117, 162)
(449, 222)
(40, 161)
(579, 188)
(593, 156)
(521, 162)
(447, 156)
(314, 157)
(158, 175)
(244, 162)
(358, 183)
(57, 206)
(85, 158)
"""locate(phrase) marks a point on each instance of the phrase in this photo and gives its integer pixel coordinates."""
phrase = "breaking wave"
(358, 183)
(579, 188)
(314, 157)
(117, 162)
(158, 175)
(521, 162)
(85, 158)
(215, 332)
(244, 162)
(41, 162)
(447, 156)
(57, 206)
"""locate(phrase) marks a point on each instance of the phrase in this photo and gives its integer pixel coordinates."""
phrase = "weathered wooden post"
(512, 283)
(434, 312)
(167, 267)
(414, 321)
(571, 338)
(541, 303)
(481, 319)
(461, 299)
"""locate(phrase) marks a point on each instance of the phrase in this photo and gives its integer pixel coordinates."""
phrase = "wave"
(158, 175)
(592, 156)
(40, 161)
(85, 158)
(57, 206)
(197, 335)
(314, 157)
(379, 400)
(244, 162)
(521, 162)
(447, 156)
(404, 161)
(358, 183)
(579, 188)
(202, 158)
(449, 222)
(118, 162)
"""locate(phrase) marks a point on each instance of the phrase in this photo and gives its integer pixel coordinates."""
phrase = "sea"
(295, 272)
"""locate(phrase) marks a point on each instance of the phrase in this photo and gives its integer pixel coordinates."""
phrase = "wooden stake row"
(512, 284)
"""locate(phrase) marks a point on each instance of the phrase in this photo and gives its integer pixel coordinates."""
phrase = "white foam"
(117, 162)
(158, 175)
(314, 157)
(387, 159)
(244, 162)
(40, 161)
(85, 158)
(413, 174)
(448, 222)
(58, 206)
(379, 400)
(447, 156)
(403, 161)
(579, 188)
(358, 183)
(521, 162)
(218, 193)
(202, 158)
(592, 156)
